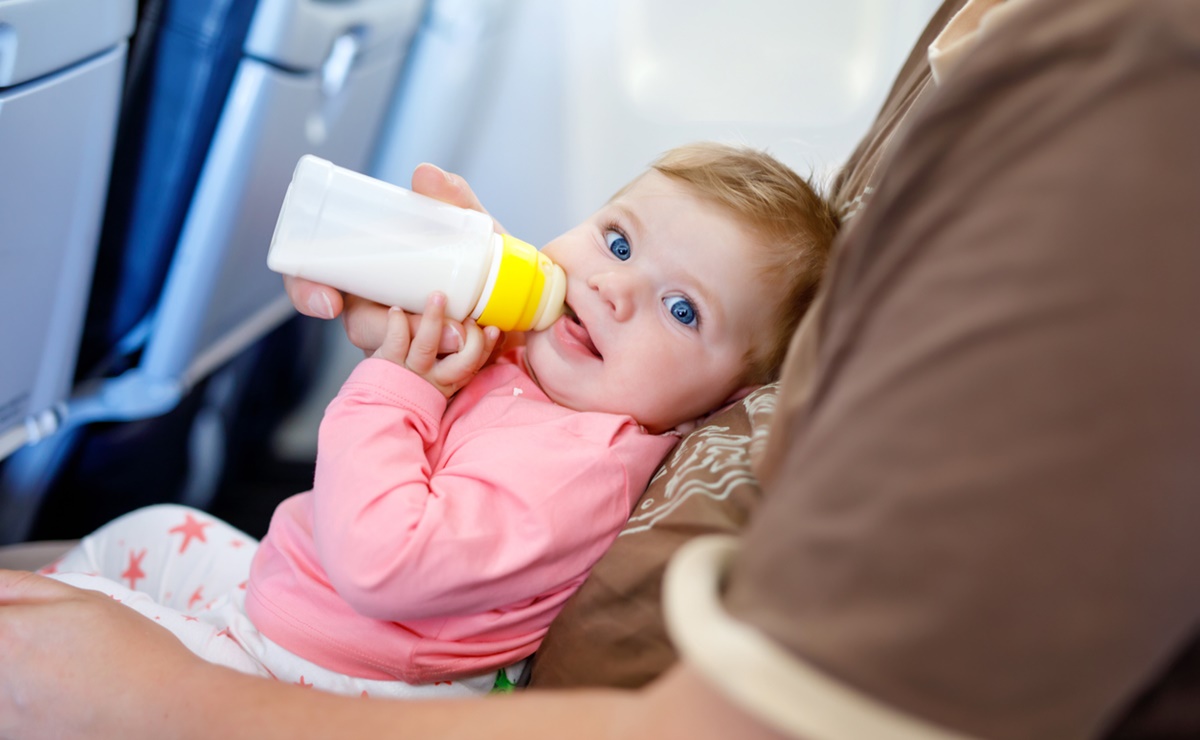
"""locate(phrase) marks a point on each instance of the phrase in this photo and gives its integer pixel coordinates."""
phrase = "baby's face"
(664, 303)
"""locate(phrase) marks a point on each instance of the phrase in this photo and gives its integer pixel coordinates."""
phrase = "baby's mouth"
(578, 331)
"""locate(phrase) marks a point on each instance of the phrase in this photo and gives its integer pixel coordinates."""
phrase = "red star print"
(226, 633)
(190, 618)
(134, 572)
(196, 596)
(191, 528)
(302, 683)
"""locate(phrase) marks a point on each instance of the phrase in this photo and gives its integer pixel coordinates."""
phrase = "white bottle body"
(381, 241)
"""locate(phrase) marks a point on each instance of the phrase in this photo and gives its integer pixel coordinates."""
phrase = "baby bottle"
(383, 242)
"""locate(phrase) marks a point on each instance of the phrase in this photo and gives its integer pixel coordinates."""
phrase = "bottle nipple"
(554, 295)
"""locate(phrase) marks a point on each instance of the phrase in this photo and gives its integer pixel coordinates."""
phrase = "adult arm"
(75, 664)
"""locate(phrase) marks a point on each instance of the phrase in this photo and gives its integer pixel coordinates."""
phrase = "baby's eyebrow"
(709, 303)
(712, 310)
(635, 226)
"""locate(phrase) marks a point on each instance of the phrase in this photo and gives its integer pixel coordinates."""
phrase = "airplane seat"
(184, 56)
(181, 61)
(61, 69)
(234, 93)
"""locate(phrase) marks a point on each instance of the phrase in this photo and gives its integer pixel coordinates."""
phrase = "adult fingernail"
(445, 175)
(320, 306)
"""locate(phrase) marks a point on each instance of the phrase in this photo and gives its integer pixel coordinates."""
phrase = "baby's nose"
(618, 291)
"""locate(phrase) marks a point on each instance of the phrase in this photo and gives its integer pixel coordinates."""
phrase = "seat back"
(61, 66)
(236, 94)
(316, 78)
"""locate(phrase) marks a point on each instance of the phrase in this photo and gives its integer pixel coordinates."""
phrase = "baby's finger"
(452, 338)
(456, 370)
(395, 345)
(422, 354)
(491, 340)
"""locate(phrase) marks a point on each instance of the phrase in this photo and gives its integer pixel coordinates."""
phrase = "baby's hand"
(419, 352)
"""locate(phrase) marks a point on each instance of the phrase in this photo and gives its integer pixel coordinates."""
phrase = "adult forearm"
(221, 703)
(216, 702)
(75, 664)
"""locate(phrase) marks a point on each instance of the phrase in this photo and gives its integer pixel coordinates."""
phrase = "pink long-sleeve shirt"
(440, 540)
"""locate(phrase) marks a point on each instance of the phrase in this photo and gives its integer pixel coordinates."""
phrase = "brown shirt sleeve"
(986, 517)
(851, 190)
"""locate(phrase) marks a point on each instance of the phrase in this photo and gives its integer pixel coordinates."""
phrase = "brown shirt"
(852, 189)
(985, 514)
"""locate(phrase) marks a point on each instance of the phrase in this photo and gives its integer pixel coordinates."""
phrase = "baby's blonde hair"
(794, 223)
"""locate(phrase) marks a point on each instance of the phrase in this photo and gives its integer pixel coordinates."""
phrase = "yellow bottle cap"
(528, 290)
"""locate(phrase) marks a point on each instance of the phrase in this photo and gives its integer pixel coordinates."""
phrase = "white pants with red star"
(187, 571)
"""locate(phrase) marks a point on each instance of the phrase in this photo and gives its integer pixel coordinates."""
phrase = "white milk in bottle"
(391, 245)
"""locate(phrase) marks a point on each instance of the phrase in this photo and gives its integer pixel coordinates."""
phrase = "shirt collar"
(963, 31)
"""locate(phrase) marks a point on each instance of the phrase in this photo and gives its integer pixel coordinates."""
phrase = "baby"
(460, 499)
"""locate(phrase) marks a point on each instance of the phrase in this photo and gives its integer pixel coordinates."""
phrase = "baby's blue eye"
(682, 309)
(618, 245)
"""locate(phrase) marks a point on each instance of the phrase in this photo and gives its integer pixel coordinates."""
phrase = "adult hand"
(76, 663)
(366, 321)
